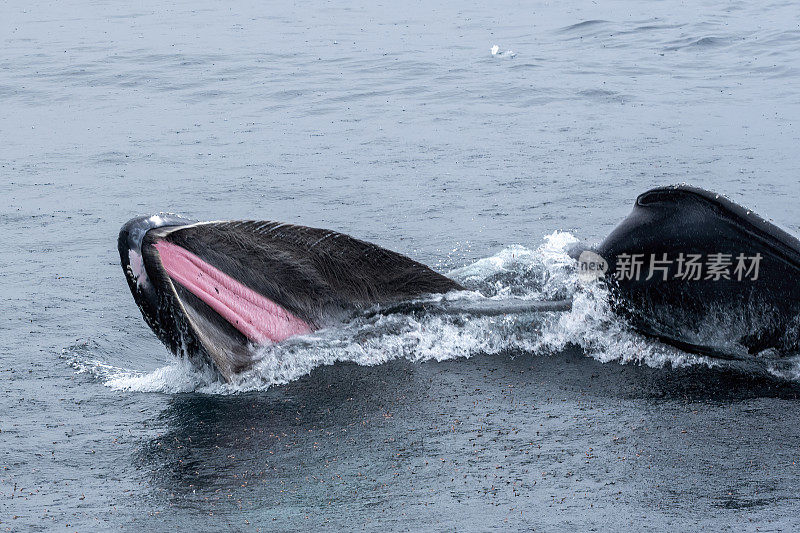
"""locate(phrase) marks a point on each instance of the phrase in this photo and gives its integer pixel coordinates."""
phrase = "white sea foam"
(544, 273)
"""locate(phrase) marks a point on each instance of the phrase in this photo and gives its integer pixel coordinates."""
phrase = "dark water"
(395, 123)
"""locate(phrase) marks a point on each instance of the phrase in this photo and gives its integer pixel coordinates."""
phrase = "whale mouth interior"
(209, 312)
(255, 316)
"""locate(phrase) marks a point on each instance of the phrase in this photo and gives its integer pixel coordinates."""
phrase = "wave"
(543, 273)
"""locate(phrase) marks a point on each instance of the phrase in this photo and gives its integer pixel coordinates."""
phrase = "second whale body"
(695, 270)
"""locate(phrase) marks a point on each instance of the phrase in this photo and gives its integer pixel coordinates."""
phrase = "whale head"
(197, 310)
(214, 292)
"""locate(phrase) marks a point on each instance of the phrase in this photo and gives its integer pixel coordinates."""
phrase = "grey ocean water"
(392, 122)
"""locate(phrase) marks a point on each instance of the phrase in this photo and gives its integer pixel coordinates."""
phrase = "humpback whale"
(212, 291)
(687, 266)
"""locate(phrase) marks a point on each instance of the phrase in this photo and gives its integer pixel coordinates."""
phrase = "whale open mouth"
(196, 308)
(215, 291)
(256, 317)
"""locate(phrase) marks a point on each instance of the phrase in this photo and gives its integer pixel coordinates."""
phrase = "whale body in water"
(687, 267)
(697, 271)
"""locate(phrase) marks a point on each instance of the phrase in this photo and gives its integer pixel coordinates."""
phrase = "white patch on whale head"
(157, 221)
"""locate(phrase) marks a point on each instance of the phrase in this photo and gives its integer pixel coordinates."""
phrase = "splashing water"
(544, 273)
